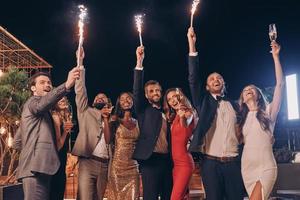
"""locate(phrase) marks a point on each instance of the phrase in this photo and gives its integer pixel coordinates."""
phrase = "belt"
(221, 159)
(103, 160)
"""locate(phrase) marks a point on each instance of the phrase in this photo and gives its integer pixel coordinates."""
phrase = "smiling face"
(100, 98)
(249, 93)
(153, 93)
(173, 100)
(215, 84)
(62, 104)
(42, 86)
(126, 101)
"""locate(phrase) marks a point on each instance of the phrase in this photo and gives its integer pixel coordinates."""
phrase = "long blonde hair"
(64, 114)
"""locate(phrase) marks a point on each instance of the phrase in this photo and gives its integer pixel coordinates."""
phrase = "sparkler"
(194, 7)
(139, 22)
(82, 16)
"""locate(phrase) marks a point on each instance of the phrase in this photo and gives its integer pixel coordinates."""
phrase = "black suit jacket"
(205, 104)
(149, 120)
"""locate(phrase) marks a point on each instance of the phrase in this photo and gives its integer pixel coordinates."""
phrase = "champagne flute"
(272, 32)
(69, 118)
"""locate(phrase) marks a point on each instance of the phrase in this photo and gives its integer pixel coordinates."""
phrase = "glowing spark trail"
(139, 22)
(82, 16)
(194, 7)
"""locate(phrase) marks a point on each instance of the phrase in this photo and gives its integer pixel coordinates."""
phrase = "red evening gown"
(183, 160)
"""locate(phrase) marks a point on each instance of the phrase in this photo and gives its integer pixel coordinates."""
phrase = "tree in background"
(13, 94)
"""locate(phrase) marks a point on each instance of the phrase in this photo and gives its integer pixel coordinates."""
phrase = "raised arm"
(44, 103)
(277, 96)
(80, 88)
(138, 81)
(193, 62)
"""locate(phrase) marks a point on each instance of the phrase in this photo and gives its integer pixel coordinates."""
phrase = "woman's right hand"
(275, 48)
(68, 125)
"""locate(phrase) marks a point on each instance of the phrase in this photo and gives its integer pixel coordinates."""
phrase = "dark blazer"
(39, 154)
(149, 120)
(205, 104)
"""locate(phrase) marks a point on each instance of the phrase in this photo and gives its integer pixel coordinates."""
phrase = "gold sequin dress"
(123, 183)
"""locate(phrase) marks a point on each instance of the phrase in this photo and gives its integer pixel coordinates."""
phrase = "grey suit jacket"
(39, 154)
(89, 120)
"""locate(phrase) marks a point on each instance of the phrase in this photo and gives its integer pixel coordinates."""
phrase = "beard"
(99, 106)
(155, 102)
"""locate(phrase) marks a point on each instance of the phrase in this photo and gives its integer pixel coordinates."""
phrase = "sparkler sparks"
(139, 22)
(82, 16)
(194, 7)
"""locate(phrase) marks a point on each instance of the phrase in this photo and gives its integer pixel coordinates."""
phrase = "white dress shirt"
(101, 149)
(221, 140)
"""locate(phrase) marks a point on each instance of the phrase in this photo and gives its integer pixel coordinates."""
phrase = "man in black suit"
(153, 146)
(215, 135)
(39, 159)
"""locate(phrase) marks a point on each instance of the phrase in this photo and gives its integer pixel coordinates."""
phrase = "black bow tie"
(219, 98)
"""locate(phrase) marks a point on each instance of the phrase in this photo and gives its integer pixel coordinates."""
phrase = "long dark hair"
(168, 110)
(261, 114)
(118, 114)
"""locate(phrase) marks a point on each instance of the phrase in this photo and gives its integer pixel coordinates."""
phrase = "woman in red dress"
(182, 117)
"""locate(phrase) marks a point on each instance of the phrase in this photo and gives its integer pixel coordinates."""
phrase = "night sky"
(232, 39)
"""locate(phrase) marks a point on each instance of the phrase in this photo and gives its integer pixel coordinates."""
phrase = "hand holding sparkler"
(140, 55)
(80, 57)
(139, 22)
(191, 35)
(82, 16)
(194, 7)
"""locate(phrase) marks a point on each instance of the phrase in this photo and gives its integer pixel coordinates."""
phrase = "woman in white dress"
(259, 169)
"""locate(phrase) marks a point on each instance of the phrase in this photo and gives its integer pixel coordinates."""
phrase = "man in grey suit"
(39, 159)
(90, 146)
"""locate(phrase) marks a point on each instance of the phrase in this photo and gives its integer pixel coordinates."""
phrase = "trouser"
(157, 177)
(36, 187)
(222, 180)
(92, 179)
(58, 184)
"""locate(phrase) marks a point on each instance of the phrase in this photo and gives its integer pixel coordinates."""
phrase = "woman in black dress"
(62, 120)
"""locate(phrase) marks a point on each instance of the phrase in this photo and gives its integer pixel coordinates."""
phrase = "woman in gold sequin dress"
(123, 182)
